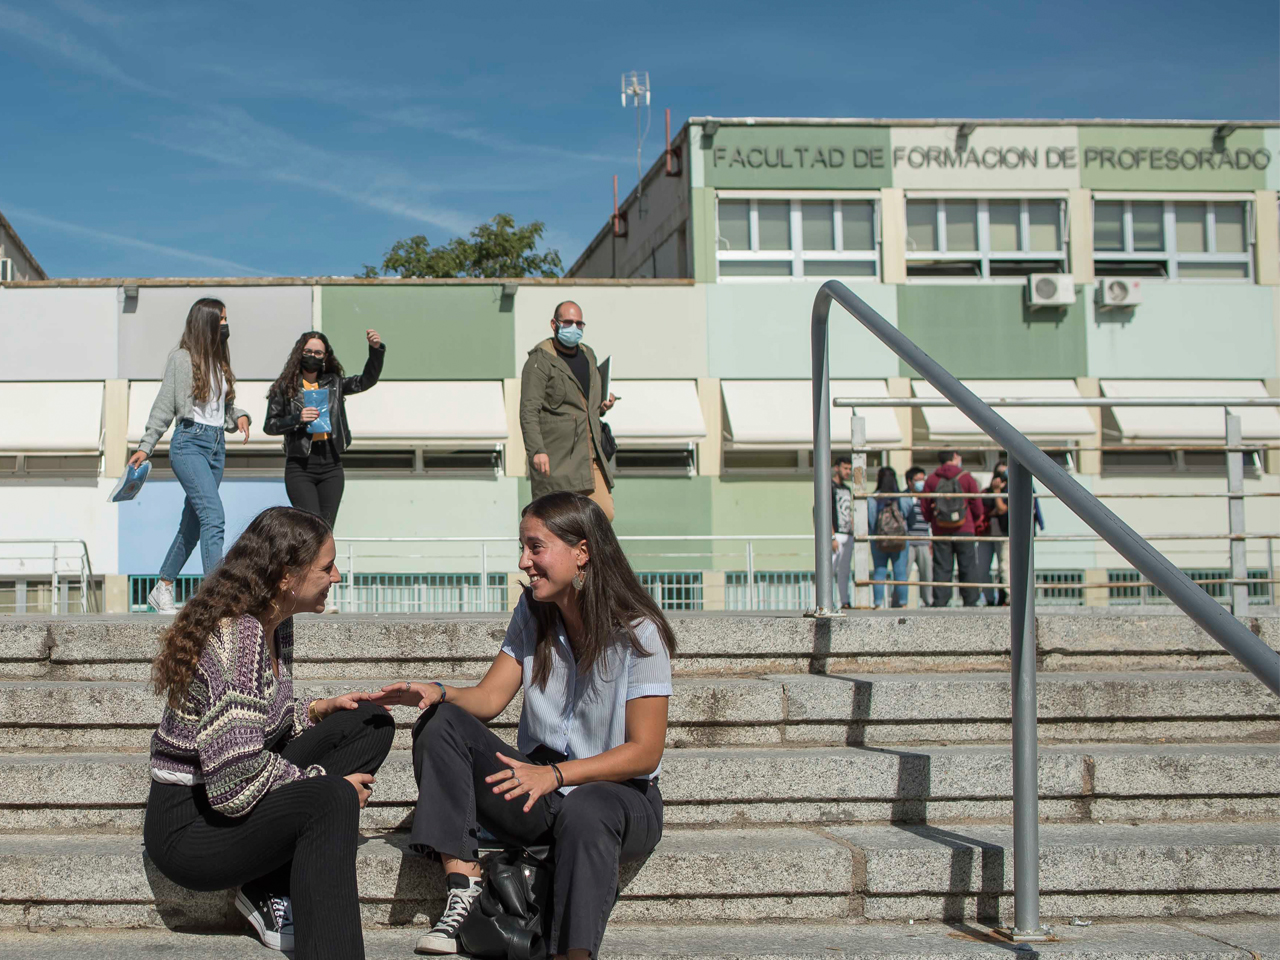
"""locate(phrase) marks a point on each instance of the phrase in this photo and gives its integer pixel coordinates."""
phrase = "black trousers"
(592, 829)
(315, 483)
(298, 840)
(961, 553)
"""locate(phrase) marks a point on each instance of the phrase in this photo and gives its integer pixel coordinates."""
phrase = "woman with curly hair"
(251, 787)
(591, 650)
(199, 393)
(313, 476)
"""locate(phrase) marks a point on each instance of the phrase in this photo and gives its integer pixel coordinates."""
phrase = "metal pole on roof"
(1235, 516)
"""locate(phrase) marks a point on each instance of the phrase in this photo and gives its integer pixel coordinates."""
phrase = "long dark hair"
(277, 540)
(203, 342)
(887, 480)
(286, 384)
(612, 597)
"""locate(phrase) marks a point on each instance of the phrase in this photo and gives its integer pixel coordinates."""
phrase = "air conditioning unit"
(1050, 290)
(6, 269)
(1119, 292)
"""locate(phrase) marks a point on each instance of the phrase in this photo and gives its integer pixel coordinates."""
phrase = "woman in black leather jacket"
(313, 475)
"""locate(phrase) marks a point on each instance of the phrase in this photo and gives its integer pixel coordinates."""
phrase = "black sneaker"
(271, 917)
(442, 938)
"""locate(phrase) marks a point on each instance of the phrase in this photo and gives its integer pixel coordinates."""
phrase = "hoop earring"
(580, 579)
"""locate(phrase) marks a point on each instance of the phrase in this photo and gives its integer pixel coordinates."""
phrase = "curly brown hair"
(286, 384)
(277, 540)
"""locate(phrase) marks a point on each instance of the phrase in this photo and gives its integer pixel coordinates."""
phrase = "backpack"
(949, 512)
(512, 918)
(889, 523)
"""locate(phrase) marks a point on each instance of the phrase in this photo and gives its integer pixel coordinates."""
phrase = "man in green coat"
(560, 410)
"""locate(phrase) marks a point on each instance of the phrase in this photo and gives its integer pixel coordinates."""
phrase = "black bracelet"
(559, 776)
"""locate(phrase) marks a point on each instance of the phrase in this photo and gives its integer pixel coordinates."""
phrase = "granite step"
(796, 709)
(358, 647)
(1158, 940)
(720, 786)
(754, 875)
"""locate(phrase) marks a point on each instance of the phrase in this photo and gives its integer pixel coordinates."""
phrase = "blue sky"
(238, 138)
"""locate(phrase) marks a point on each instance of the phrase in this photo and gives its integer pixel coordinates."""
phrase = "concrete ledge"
(1182, 940)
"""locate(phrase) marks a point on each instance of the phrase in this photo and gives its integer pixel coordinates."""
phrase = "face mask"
(224, 333)
(917, 486)
(312, 364)
(568, 334)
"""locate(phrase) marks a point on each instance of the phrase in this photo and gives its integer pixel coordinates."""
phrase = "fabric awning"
(1203, 424)
(778, 414)
(656, 413)
(55, 418)
(437, 413)
(949, 424)
(251, 397)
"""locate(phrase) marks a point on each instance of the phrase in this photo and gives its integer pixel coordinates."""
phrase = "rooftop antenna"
(636, 86)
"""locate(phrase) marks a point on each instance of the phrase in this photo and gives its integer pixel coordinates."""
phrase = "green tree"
(497, 248)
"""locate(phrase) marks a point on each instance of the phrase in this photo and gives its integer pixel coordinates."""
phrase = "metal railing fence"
(1026, 461)
(62, 564)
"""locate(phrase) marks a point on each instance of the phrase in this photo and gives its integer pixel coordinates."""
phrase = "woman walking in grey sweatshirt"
(199, 393)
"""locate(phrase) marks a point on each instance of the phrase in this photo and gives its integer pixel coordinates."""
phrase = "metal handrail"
(87, 598)
(1026, 460)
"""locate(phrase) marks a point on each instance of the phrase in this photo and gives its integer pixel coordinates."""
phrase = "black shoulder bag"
(608, 445)
(512, 918)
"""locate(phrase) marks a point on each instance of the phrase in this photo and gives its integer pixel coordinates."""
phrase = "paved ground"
(1114, 941)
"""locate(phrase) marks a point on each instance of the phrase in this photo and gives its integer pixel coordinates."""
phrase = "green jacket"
(556, 419)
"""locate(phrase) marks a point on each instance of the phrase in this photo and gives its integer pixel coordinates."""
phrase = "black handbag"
(512, 918)
(608, 445)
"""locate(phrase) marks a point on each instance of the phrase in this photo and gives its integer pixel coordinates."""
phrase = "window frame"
(796, 256)
(983, 255)
(1169, 255)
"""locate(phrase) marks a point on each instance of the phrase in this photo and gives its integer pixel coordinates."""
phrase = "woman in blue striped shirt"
(592, 652)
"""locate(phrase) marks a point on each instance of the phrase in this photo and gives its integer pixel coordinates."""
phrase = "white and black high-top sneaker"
(464, 891)
(270, 916)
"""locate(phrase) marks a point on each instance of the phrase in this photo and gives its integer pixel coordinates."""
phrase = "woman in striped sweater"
(250, 786)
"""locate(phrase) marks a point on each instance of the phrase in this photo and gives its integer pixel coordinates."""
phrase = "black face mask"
(312, 364)
(224, 333)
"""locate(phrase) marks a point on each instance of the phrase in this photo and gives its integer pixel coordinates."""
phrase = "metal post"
(752, 600)
(484, 576)
(1235, 516)
(821, 367)
(1026, 791)
(53, 583)
(861, 545)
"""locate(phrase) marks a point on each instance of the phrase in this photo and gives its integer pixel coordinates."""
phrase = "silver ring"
(517, 779)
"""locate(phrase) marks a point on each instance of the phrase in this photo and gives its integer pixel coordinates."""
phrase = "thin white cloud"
(39, 34)
(116, 239)
(230, 136)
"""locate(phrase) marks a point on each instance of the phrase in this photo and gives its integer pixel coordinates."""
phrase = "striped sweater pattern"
(236, 716)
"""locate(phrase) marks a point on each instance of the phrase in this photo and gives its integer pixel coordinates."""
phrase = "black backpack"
(512, 918)
(949, 512)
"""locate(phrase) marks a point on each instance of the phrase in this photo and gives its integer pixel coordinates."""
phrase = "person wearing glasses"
(560, 410)
(313, 476)
(198, 392)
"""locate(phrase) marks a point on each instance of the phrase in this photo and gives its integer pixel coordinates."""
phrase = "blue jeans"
(882, 561)
(197, 454)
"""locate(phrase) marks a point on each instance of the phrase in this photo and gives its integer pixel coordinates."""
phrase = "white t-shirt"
(211, 412)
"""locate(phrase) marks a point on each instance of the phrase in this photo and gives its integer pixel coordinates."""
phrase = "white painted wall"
(63, 333)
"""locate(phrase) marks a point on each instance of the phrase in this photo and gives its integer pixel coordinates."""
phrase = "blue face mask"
(917, 486)
(568, 334)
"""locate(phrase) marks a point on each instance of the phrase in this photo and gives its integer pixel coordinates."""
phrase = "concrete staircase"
(829, 773)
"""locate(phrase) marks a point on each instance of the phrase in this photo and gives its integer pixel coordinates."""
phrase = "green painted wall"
(832, 158)
(765, 506)
(702, 220)
(988, 331)
(760, 331)
(432, 332)
(1184, 329)
(1184, 159)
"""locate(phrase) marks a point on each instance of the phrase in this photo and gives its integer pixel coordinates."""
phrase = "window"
(656, 462)
(421, 593)
(1189, 239)
(981, 239)
(795, 237)
(1126, 586)
(785, 464)
(771, 590)
(1150, 463)
(674, 591)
